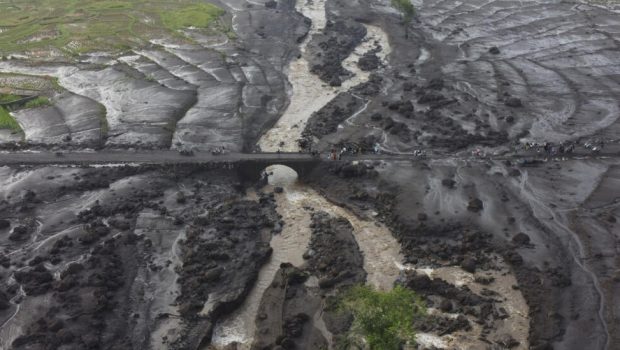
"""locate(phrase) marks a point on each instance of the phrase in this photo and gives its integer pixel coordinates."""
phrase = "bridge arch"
(251, 170)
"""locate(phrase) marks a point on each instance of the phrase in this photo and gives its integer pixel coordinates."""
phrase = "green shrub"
(384, 320)
(8, 122)
(7, 98)
(38, 102)
(406, 9)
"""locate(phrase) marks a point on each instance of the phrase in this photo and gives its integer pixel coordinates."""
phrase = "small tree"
(384, 320)
(407, 11)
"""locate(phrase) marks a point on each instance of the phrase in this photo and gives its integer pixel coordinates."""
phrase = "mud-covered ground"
(164, 257)
(485, 216)
(505, 255)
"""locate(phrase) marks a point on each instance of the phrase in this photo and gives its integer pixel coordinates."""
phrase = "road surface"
(173, 157)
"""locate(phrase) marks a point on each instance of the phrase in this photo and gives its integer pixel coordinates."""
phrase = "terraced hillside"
(66, 27)
(188, 83)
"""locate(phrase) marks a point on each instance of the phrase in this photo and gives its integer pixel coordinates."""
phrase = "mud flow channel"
(296, 204)
(308, 92)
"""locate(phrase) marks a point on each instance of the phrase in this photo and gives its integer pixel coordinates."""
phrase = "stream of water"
(309, 93)
(295, 204)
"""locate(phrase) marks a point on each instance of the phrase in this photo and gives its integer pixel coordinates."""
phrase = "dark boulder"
(513, 102)
(469, 265)
(369, 62)
(4, 224)
(213, 274)
(611, 219)
(430, 97)
(445, 305)
(72, 269)
(36, 281)
(514, 258)
(29, 196)
(507, 341)
(521, 239)
(19, 233)
(494, 50)
(435, 84)
(449, 183)
(335, 81)
(475, 205)
(4, 301)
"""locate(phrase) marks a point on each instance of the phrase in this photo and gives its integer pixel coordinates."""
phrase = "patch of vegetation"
(405, 7)
(8, 122)
(40, 101)
(197, 16)
(382, 320)
(7, 98)
(75, 27)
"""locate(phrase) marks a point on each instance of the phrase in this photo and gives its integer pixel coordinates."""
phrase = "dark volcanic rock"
(475, 205)
(521, 239)
(398, 129)
(445, 305)
(449, 183)
(5, 261)
(337, 260)
(35, 281)
(283, 320)
(330, 48)
(4, 224)
(469, 264)
(514, 102)
(327, 119)
(352, 170)
(369, 61)
(221, 256)
(430, 97)
(507, 341)
(4, 301)
(442, 324)
(19, 233)
(435, 84)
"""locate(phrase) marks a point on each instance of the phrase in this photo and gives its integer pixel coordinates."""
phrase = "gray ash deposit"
(469, 155)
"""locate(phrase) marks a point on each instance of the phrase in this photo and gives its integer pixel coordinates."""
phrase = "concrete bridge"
(249, 165)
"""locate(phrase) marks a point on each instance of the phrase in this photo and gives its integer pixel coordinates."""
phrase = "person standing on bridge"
(342, 152)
